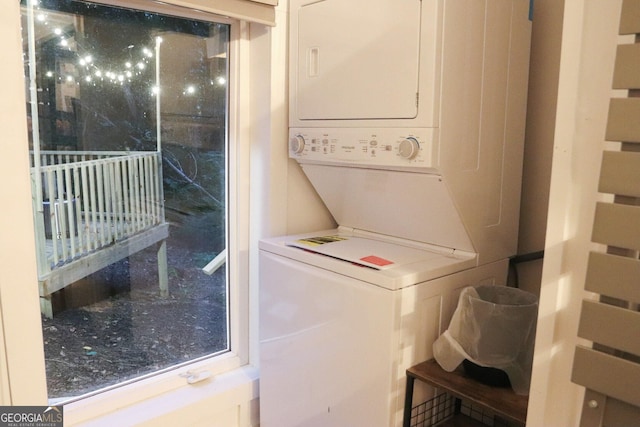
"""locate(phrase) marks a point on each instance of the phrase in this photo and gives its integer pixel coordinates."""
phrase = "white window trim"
(261, 11)
(22, 369)
(229, 371)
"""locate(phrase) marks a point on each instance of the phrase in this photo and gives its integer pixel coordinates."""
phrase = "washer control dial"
(296, 144)
(409, 148)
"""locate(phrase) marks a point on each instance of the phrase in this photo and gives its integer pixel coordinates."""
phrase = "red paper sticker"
(376, 260)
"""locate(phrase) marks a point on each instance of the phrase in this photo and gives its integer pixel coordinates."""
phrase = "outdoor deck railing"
(90, 200)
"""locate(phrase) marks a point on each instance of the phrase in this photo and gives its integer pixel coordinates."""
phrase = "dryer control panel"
(378, 148)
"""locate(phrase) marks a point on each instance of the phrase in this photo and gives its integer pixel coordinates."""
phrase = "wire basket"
(434, 411)
(444, 408)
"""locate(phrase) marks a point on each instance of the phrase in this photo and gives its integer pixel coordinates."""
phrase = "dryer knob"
(409, 148)
(296, 144)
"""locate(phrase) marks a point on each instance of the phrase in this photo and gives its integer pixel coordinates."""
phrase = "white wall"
(546, 36)
(542, 99)
(17, 254)
(588, 50)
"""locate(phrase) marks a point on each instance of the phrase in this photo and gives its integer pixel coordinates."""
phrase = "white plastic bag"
(493, 326)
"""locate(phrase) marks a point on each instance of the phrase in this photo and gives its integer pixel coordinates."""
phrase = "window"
(128, 117)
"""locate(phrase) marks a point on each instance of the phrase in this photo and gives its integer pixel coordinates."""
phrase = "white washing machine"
(343, 315)
(408, 120)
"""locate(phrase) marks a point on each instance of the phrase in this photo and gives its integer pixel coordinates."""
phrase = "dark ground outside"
(114, 325)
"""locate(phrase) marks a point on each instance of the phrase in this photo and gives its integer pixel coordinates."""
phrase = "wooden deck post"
(163, 275)
(46, 308)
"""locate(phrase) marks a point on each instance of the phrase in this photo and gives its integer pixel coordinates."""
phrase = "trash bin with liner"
(492, 333)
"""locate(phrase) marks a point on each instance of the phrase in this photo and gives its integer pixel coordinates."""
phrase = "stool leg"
(408, 401)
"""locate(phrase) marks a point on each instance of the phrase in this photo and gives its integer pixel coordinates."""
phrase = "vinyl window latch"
(195, 377)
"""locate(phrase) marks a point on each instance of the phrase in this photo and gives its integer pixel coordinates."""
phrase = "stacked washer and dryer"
(408, 119)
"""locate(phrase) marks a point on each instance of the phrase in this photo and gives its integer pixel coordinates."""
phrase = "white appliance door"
(413, 206)
(325, 347)
(358, 59)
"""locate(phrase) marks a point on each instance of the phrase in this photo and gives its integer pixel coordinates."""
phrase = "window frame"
(173, 380)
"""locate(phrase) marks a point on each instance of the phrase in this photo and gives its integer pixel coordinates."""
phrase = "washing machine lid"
(367, 252)
(403, 204)
(389, 263)
(357, 59)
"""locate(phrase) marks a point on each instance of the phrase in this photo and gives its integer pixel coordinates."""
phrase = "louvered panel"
(620, 173)
(612, 326)
(630, 17)
(613, 276)
(620, 414)
(617, 225)
(611, 372)
(626, 75)
(607, 374)
(623, 123)
(602, 411)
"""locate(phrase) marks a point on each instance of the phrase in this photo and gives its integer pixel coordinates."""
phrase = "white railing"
(90, 200)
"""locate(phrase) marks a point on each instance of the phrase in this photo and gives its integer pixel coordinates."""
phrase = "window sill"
(231, 395)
